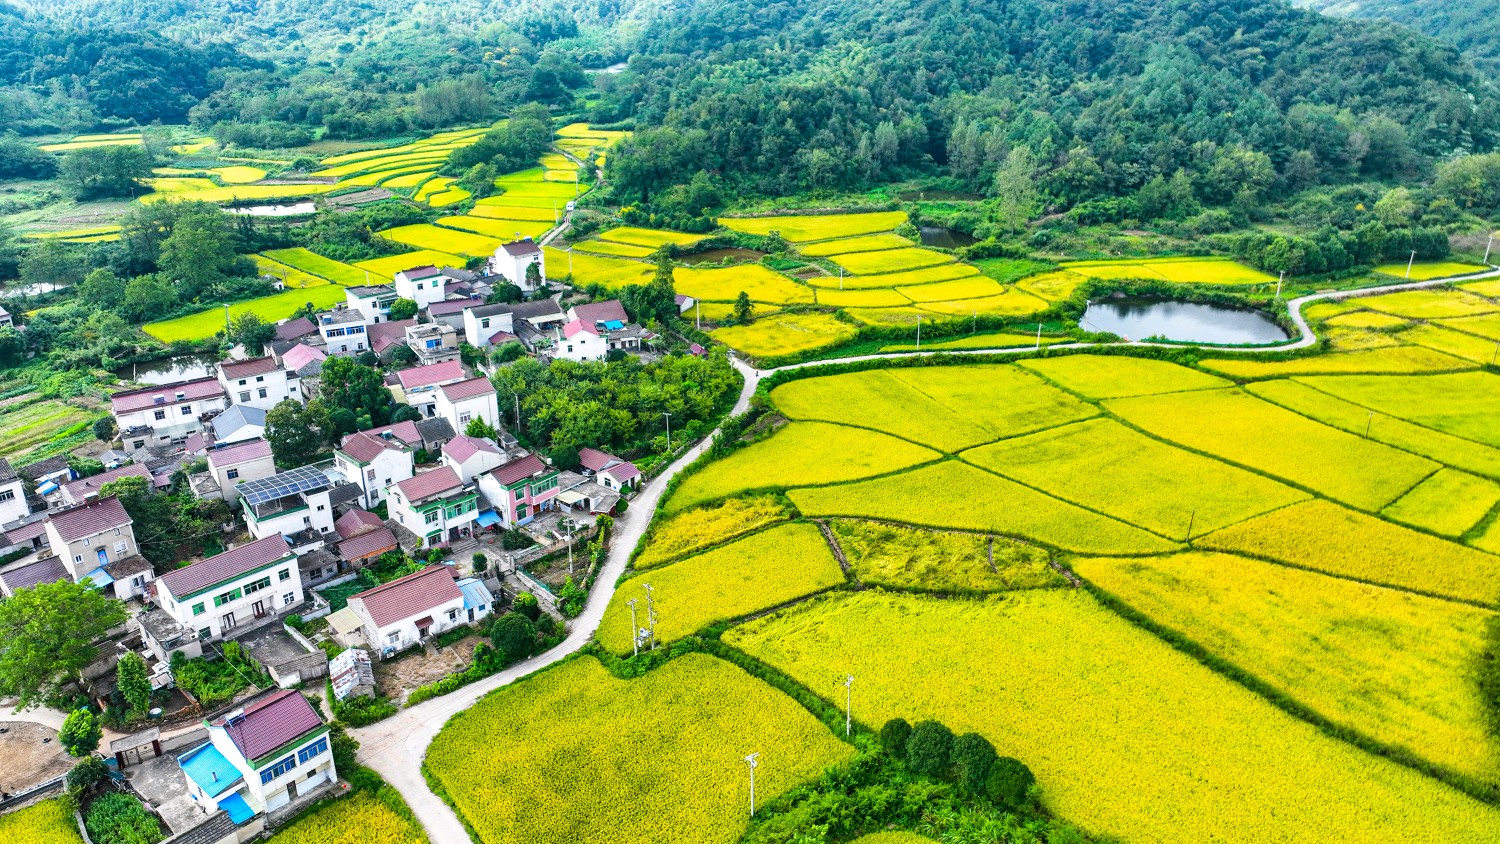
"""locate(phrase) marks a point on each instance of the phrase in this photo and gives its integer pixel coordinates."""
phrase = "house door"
(227, 623)
(103, 557)
(291, 790)
(260, 609)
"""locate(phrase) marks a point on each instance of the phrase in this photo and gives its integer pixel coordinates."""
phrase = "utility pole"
(1368, 422)
(517, 397)
(919, 334)
(635, 632)
(848, 704)
(1039, 336)
(651, 613)
(752, 760)
(669, 430)
(1191, 517)
(569, 524)
(841, 278)
(226, 324)
(1410, 264)
(1278, 283)
(698, 314)
(1487, 245)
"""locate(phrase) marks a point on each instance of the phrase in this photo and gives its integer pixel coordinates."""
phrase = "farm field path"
(396, 746)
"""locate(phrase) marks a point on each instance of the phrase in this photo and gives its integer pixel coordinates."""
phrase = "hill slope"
(1470, 25)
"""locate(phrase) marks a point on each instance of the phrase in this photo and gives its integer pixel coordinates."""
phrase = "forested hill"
(1473, 25)
(830, 92)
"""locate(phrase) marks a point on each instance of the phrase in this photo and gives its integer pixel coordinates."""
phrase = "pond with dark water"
(1185, 322)
(168, 370)
(946, 238)
(715, 256)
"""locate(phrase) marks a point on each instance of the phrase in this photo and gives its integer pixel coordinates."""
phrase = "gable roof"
(468, 389)
(595, 460)
(363, 447)
(427, 376)
(301, 355)
(144, 399)
(383, 335)
(295, 328)
(430, 483)
(356, 522)
(455, 306)
(270, 722)
(623, 471)
(95, 517)
(434, 429)
(518, 248)
(244, 452)
(414, 594)
(7, 472)
(521, 467)
(85, 487)
(238, 416)
(405, 431)
(368, 544)
(577, 327)
(221, 567)
(247, 368)
(56, 464)
(50, 570)
(419, 272)
(595, 312)
(538, 308)
(462, 447)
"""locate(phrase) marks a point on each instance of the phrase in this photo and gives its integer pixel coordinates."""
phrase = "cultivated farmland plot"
(47, 822)
(785, 334)
(801, 229)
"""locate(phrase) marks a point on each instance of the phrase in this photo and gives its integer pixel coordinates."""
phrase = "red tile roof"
(429, 484)
(501, 337)
(599, 312)
(419, 272)
(468, 389)
(356, 522)
(456, 306)
(49, 570)
(595, 460)
(577, 327)
(301, 355)
(363, 447)
(271, 722)
(519, 468)
(521, 247)
(383, 335)
(623, 471)
(368, 545)
(406, 432)
(415, 594)
(26, 532)
(81, 489)
(230, 564)
(95, 517)
(233, 455)
(247, 368)
(427, 376)
(462, 447)
(295, 328)
(133, 400)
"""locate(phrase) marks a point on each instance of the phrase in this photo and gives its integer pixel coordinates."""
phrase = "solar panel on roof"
(291, 482)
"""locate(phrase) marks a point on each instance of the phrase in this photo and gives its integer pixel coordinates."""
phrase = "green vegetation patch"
(941, 561)
(274, 308)
(800, 229)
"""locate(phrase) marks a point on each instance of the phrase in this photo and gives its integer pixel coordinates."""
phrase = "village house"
(13, 503)
(373, 463)
(228, 465)
(239, 423)
(433, 342)
(423, 285)
(295, 505)
(396, 615)
(608, 470)
(451, 312)
(419, 384)
(387, 337)
(343, 332)
(6, 319)
(471, 457)
(363, 537)
(428, 435)
(92, 542)
(462, 402)
(511, 261)
(373, 303)
(261, 757)
(300, 328)
(168, 413)
(497, 324)
(211, 599)
(84, 489)
(579, 343)
(435, 506)
(258, 382)
(519, 489)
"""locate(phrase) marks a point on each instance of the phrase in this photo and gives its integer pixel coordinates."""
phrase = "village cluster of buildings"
(316, 524)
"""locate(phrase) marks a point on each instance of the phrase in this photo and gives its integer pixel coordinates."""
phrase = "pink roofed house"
(610, 471)
(520, 489)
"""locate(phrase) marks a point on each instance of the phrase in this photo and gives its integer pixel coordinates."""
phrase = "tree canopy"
(47, 636)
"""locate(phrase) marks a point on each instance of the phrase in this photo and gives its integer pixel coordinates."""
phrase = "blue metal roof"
(239, 811)
(475, 595)
(99, 577)
(487, 518)
(207, 767)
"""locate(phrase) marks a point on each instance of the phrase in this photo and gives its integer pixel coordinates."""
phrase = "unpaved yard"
(26, 758)
(394, 678)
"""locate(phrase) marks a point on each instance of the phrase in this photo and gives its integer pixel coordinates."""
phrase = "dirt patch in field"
(396, 677)
(27, 757)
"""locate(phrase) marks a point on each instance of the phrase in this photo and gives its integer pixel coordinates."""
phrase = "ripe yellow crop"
(1464, 404)
(1430, 304)
(685, 533)
(47, 822)
(929, 275)
(1397, 360)
(800, 229)
(785, 334)
(595, 269)
(425, 236)
(891, 260)
(724, 284)
(942, 561)
(1448, 503)
(1118, 376)
(359, 819)
(651, 238)
(868, 243)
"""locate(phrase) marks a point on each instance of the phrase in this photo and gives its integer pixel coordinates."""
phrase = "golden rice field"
(573, 754)
(1354, 339)
(785, 334)
(1128, 737)
(878, 298)
(956, 495)
(651, 238)
(93, 141)
(1489, 288)
(761, 571)
(357, 819)
(867, 243)
(1323, 536)
(516, 212)
(47, 822)
(695, 530)
(1108, 468)
(950, 408)
(1217, 271)
(801, 229)
(943, 272)
(1486, 325)
(1011, 302)
(1430, 304)
(1465, 404)
(973, 287)
(388, 267)
(243, 193)
(289, 276)
(439, 239)
(1398, 360)
(803, 454)
(1119, 376)
(504, 230)
(595, 269)
(907, 317)
(996, 340)
(942, 561)
(1392, 665)
(95, 234)
(314, 264)
(1347, 416)
(1242, 429)
(1426, 271)
(1449, 503)
(1053, 286)
(238, 174)
(725, 284)
(619, 250)
(891, 260)
(1368, 319)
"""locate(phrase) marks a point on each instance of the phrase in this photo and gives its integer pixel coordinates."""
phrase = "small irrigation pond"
(168, 370)
(1184, 322)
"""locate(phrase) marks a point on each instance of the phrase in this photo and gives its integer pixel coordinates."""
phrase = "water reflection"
(1188, 322)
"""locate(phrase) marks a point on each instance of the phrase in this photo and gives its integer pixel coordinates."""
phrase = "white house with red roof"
(258, 382)
(244, 461)
(471, 457)
(214, 597)
(580, 342)
(83, 489)
(166, 413)
(519, 489)
(373, 463)
(599, 315)
(419, 384)
(610, 471)
(512, 259)
(464, 401)
(396, 615)
(260, 757)
(423, 285)
(435, 506)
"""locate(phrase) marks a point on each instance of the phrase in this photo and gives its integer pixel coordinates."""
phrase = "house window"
(370, 474)
(232, 474)
(463, 418)
(260, 379)
(453, 615)
(77, 558)
(231, 595)
(278, 769)
(142, 443)
(119, 547)
(285, 574)
(263, 583)
(138, 581)
(484, 323)
(198, 608)
(160, 414)
(288, 599)
(6, 495)
(262, 392)
(431, 518)
(317, 747)
(322, 507)
(244, 396)
(187, 410)
(242, 382)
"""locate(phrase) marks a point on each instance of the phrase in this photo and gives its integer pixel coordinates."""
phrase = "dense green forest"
(1472, 26)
